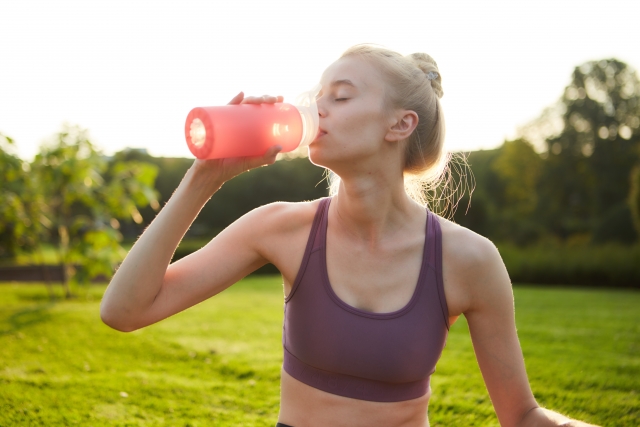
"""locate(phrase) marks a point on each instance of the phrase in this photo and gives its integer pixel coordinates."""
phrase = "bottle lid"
(308, 109)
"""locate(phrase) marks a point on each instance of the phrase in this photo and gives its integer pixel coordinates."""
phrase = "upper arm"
(238, 250)
(491, 319)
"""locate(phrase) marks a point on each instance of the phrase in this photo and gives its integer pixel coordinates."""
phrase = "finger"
(267, 159)
(264, 99)
(252, 100)
(272, 152)
(268, 99)
(237, 99)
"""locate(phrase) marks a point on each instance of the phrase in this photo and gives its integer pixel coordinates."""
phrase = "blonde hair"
(415, 84)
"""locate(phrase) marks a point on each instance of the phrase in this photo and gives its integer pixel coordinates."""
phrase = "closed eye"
(341, 99)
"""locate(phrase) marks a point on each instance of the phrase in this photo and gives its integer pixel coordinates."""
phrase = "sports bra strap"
(435, 261)
(314, 234)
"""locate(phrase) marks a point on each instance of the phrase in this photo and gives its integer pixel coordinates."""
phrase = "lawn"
(219, 362)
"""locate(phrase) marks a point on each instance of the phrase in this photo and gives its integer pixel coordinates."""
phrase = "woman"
(372, 279)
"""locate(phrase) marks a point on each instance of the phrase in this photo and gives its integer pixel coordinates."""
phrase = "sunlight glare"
(197, 132)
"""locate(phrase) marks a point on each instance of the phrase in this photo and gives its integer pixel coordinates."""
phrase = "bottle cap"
(308, 109)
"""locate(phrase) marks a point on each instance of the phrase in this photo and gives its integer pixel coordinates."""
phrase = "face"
(353, 123)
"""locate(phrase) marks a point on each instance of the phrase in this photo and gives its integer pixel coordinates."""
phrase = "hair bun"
(430, 69)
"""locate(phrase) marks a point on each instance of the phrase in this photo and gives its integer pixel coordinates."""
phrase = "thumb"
(269, 157)
(237, 99)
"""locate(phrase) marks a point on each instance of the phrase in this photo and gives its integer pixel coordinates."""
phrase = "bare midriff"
(304, 406)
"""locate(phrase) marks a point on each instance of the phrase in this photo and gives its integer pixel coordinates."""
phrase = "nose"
(322, 111)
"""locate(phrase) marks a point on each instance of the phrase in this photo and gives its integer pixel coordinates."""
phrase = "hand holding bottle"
(212, 173)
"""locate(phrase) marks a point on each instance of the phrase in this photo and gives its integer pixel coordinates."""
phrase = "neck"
(370, 207)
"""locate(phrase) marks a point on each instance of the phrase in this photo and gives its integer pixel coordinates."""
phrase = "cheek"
(364, 129)
(355, 132)
(362, 122)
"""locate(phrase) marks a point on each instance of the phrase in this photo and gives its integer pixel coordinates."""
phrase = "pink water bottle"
(250, 129)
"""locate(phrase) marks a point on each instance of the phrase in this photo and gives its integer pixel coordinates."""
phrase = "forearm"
(540, 417)
(139, 279)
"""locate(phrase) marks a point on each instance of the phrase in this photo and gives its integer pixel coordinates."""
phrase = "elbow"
(115, 320)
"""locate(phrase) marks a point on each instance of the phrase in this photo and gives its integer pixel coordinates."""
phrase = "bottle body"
(243, 130)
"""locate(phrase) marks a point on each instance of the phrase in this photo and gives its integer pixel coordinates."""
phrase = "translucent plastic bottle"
(250, 129)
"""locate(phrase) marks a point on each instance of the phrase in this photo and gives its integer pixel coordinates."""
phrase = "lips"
(321, 132)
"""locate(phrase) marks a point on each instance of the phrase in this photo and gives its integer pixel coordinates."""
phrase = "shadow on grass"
(14, 320)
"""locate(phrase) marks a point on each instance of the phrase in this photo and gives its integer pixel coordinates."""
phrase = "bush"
(611, 265)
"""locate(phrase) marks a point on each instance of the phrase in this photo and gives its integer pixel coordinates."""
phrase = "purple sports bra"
(337, 348)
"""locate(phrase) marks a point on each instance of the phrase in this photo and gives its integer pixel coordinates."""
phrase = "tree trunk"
(63, 234)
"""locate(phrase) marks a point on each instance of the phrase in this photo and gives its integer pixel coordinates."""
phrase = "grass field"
(219, 362)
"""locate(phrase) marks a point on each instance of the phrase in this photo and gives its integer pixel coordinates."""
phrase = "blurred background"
(542, 99)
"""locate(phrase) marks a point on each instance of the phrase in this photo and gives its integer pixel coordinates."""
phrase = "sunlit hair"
(427, 174)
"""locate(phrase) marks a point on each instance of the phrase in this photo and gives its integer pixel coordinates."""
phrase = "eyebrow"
(342, 82)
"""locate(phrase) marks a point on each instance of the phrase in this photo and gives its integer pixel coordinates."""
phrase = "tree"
(519, 167)
(20, 205)
(477, 208)
(588, 162)
(87, 196)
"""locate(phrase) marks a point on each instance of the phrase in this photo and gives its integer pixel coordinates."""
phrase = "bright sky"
(130, 71)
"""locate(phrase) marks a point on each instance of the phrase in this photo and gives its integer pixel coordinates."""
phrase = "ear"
(403, 123)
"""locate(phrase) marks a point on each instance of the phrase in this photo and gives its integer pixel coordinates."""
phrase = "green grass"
(219, 362)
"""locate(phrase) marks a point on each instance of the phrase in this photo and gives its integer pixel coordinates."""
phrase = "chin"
(333, 163)
(316, 155)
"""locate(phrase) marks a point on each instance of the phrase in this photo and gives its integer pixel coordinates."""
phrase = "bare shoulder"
(281, 217)
(472, 267)
(465, 247)
(279, 233)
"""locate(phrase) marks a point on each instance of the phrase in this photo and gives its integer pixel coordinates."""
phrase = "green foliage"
(96, 253)
(86, 197)
(287, 180)
(502, 204)
(547, 263)
(579, 265)
(20, 204)
(130, 185)
(170, 173)
(579, 186)
(518, 166)
(615, 225)
(219, 362)
(588, 165)
(634, 197)
(478, 211)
